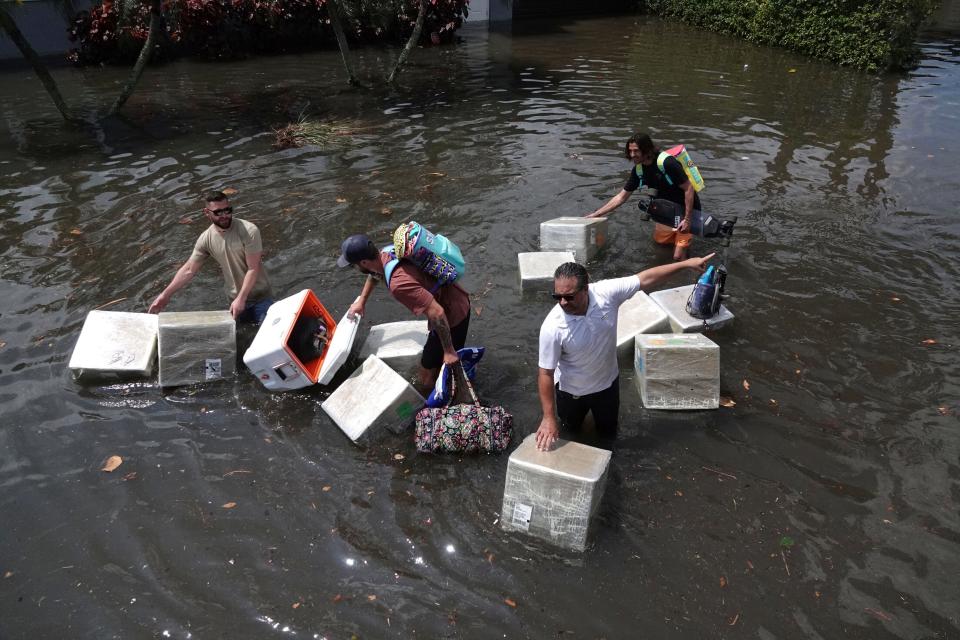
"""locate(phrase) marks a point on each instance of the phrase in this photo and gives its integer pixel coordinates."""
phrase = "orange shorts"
(662, 234)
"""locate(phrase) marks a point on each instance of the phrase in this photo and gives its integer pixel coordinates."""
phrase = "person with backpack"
(445, 303)
(664, 173)
(578, 371)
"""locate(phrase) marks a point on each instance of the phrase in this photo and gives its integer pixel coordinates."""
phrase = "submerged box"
(639, 314)
(678, 371)
(293, 343)
(399, 344)
(536, 268)
(116, 343)
(583, 236)
(373, 398)
(674, 303)
(553, 494)
(196, 346)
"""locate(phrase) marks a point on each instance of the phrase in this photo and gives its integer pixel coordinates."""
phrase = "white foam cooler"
(399, 344)
(277, 357)
(639, 314)
(678, 371)
(583, 236)
(373, 398)
(553, 494)
(674, 303)
(536, 268)
(116, 343)
(196, 346)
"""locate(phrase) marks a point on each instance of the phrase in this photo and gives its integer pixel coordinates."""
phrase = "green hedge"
(873, 35)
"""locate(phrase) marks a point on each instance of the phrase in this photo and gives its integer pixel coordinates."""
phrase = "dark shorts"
(605, 406)
(432, 356)
(255, 312)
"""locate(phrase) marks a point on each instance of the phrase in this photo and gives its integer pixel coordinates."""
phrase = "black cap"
(354, 249)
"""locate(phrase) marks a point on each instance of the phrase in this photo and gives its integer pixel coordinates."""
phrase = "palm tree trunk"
(333, 8)
(38, 66)
(142, 59)
(411, 43)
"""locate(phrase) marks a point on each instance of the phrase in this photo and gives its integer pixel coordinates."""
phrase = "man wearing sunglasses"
(578, 349)
(236, 246)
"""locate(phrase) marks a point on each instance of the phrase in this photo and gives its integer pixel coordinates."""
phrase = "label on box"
(521, 516)
(213, 369)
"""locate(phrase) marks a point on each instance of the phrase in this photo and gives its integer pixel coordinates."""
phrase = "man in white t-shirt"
(578, 348)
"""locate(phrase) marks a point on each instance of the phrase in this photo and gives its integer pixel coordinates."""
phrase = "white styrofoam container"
(196, 346)
(373, 398)
(399, 344)
(116, 342)
(674, 303)
(583, 236)
(340, 347)
(639, 314)
(272, 356)
(678, 371)
(537, 267)
(553, 494)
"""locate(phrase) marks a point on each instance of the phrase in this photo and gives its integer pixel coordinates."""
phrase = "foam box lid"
(116, 341)
(340, 347)
(570, 459)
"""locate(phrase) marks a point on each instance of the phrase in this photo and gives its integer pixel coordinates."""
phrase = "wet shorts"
(662, 234)
(432, 356)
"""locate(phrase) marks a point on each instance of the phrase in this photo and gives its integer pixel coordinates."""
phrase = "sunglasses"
(226, 211)
(564, 296)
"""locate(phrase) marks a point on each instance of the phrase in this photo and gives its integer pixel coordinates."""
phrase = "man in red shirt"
(447, 307)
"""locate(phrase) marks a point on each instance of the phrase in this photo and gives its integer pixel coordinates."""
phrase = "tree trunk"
(38, 67)
(411, 43)
(142, 59)
(333, 8)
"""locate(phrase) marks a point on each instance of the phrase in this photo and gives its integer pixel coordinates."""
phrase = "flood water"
(823, 505)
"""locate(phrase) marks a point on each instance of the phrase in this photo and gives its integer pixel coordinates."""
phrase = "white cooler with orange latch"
(284, 355)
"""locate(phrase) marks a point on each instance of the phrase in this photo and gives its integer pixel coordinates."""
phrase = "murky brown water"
(843, 265)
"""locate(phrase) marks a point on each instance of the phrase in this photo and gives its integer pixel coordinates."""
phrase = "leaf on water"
(185, 220)
(8, 574)
(337, 598)
(386, 211)
(326, 488)
(929, 341)
(678, 493)
(746, 385)
(229, 505)
(786, 542)
(341, 200)
(944, 411)
(76, 232)
(435, 174)
(112, 463)
(371, 597)
(398, 456)
(490, 558)
(723, 582)
(727, 401)
(229, 191)
(2, 344)
(773, 402)
(797, 371)
(734, 620)
(296, 605)
(792, 71)
(130, 476)
(510, 603)
(894, 299)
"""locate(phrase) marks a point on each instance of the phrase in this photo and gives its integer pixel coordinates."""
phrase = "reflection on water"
(824, 504)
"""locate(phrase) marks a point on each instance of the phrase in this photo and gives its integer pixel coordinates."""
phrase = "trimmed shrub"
(874, 35)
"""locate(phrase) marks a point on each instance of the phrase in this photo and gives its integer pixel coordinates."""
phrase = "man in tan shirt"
(236, 246)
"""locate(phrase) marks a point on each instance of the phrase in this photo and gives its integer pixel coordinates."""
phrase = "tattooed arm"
(439, 323)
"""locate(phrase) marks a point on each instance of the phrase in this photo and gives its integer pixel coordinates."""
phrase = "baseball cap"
(354, 249)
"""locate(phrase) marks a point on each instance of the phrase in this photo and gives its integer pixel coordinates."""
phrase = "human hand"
(684, 226)
(237, 307)
(593, 214)
(700, 264)
(547, 433)
(158, 304)
(450, 358)
(356, 309)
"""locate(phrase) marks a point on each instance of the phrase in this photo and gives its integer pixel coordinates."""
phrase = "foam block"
(536, 269)
(583, 236)
(399, 344)
(678, 371)
(373, 398)
(196, 346)
(116, 342)
(674, 303)
(639, 314)
(553, 494)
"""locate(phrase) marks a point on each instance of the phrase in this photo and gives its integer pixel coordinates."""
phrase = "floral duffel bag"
(463, 428)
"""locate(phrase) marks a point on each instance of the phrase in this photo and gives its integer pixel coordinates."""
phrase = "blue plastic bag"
(442, 389)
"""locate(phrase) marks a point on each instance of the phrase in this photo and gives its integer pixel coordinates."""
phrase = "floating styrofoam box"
(553, 494)
(536, 268)
(340, 347)
(583, 236)
(286, 353)
(196, 346)
(674, 302)
(678, 371)
(116, 342)
(374, 397)
(639, 314)
(399, 344)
